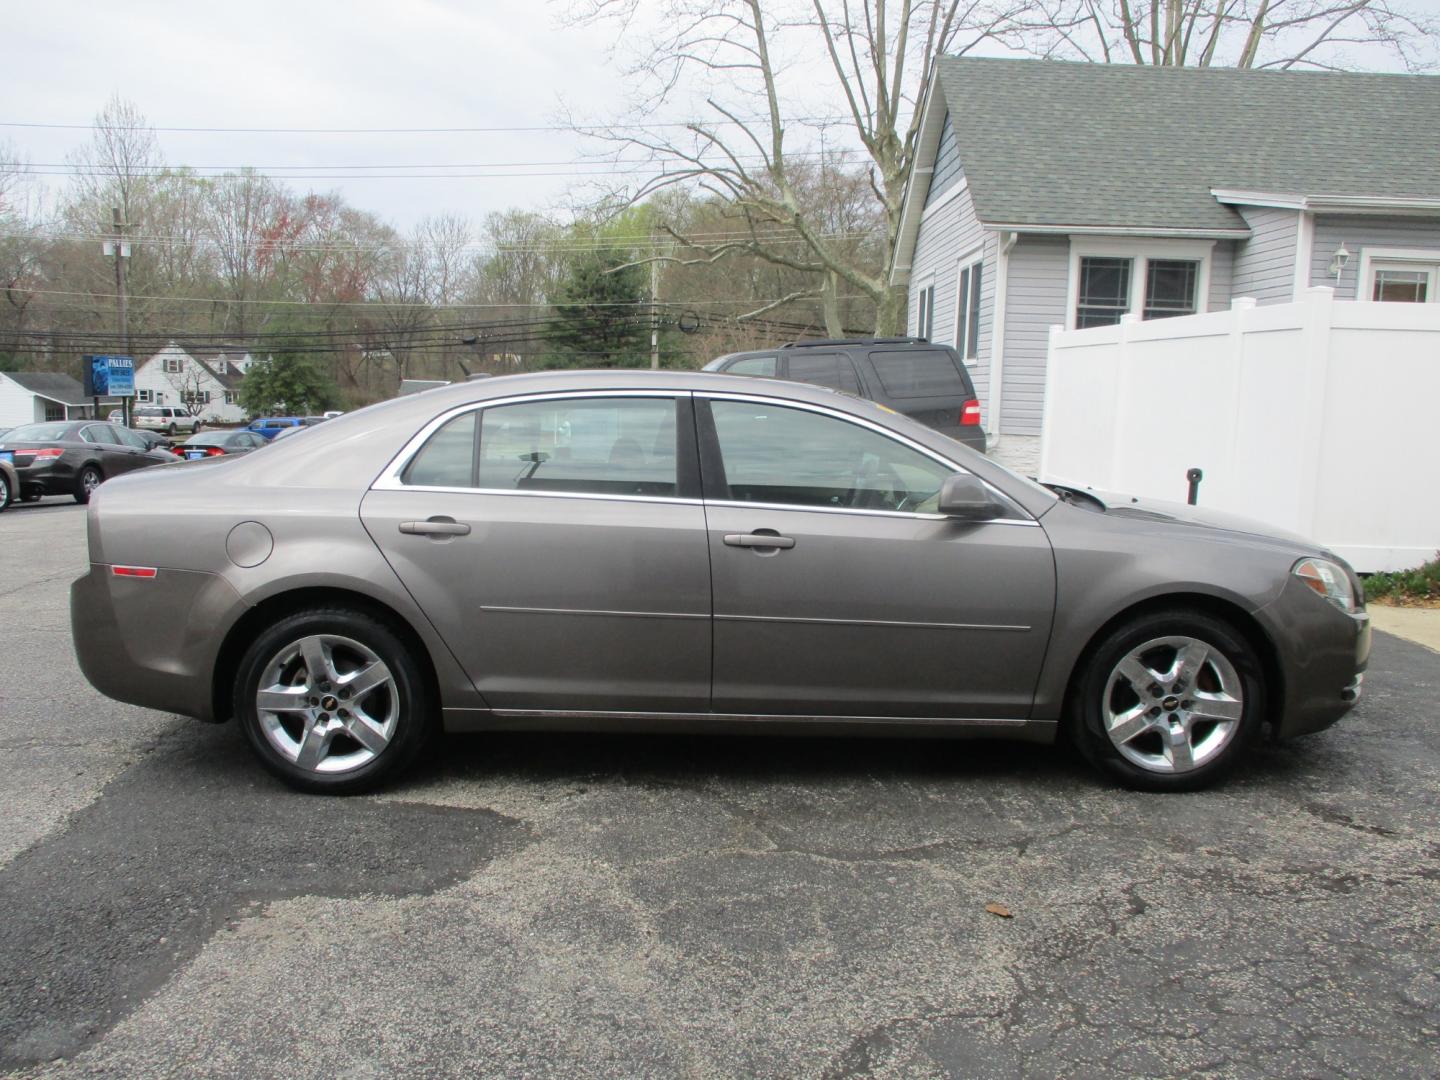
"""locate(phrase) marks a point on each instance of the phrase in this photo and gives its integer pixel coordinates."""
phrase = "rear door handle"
(436, 526)
(759, 540)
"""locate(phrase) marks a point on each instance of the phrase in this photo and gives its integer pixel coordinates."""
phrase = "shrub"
(1421, 583)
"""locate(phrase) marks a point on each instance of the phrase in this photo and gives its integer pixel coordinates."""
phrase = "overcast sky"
(318, 64)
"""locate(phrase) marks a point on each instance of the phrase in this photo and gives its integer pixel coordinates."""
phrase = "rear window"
(918, 373)
(149, 412)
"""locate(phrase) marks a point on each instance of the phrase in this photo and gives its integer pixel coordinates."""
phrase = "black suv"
(926, 382)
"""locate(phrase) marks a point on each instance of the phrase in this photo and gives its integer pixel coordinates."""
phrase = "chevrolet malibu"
(692, 551)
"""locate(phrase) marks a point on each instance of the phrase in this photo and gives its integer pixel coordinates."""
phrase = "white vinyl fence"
(1320, 417)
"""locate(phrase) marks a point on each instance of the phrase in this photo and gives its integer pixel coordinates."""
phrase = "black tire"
(82, 491)
(416, 719)
(6, 492)
(171, 429)
(1089, 702)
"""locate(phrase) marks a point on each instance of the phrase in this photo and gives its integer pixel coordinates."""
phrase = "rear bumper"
(1322, 652)
(52, 478)
(152, 641)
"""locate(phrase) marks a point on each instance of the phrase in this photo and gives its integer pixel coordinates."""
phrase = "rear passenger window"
(825, 369)
(448, 457)
(918, 373)
(599, 446)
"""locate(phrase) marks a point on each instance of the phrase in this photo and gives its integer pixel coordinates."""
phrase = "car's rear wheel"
(86, 481)
(1169, 701)
(5, 493)
(171, 429)
(333, 701)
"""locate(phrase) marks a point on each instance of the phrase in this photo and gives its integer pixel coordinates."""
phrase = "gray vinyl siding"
(1035, 301)
(1222, 274)
(1265, 263)
(1359, 232)
(948, 233)
(948, 169)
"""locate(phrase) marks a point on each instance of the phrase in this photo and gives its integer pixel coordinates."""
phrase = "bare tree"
(743, 65)
(1281, 34)
(117, 167)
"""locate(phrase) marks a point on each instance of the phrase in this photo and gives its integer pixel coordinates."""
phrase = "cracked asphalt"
(552, 905)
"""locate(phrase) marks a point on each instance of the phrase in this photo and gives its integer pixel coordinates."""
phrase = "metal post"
(654, 315)
(1194, 476)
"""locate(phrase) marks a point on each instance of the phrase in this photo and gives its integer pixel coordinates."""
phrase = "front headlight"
(1329, 580)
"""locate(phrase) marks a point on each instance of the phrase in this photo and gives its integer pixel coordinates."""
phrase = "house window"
(967, 312)
(1170, 288)
(925, 312)
(172, 365)
(1394, 276)
(1104, 291)
(196, 397)
(143, 397)
(1155, 279)
(54, 412)
(232, 397)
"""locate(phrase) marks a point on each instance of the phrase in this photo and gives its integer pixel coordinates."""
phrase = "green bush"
(1421, 583)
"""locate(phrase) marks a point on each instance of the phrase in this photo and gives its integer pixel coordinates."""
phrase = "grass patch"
(1418, 586)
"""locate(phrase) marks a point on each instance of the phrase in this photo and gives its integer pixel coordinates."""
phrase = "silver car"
(689, 551)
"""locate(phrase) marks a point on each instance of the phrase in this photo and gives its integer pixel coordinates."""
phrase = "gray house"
(1061, 194)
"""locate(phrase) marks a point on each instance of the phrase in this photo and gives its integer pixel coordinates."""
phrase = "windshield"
(38, 433)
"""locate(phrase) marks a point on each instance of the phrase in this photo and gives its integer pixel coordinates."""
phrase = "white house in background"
(1058, 194)
(28, 397)
(207, 378)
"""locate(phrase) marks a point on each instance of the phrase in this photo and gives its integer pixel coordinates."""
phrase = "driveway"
(549, 905)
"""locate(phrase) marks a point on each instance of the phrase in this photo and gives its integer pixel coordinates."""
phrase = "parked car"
(74, 457)
(681, 551)
(270, 426)
(912, 376)
(219, 443)
(153, 440)
(167, 418)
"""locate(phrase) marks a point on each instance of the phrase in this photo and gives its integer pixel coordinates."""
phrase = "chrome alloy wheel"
(327, 703)
(90, 480)
(1172, 704)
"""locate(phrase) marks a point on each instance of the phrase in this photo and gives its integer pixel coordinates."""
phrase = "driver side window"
(776, 454)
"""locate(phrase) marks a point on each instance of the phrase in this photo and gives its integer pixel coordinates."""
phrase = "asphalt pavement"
(555, 905)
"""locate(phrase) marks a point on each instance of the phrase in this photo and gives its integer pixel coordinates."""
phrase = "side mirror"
(964, 496)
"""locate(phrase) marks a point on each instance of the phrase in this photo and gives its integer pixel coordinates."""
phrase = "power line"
(87, 168)
(580, 129)
(394, 304)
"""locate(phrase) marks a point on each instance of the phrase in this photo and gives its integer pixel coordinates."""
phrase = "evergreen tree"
(288, 381)
(602, 313)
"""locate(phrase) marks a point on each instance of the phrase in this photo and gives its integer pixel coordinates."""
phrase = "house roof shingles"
(1051, 143)
(51, 384)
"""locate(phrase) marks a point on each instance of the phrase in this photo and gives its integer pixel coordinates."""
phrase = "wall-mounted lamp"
(1337, 264)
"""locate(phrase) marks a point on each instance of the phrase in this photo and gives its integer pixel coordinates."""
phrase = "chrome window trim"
(878, 429)
(389, 479)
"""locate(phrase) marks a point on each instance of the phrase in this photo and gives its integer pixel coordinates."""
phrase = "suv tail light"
(970, 413)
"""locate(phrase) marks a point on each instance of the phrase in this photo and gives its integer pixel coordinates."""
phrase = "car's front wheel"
(5, 493)
(1169, 701)
(333, 701)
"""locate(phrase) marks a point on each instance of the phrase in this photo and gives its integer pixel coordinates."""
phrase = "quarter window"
(448, 457)
(776, 454)
(753, 365)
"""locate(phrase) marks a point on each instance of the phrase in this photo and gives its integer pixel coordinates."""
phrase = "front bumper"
(1322, 653)
(152, 641)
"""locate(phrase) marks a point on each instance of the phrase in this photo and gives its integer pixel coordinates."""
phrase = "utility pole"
(121, 251)
(654, 313)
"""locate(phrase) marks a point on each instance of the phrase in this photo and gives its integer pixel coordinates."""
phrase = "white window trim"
(178, 369)
(1140, 252)
(970, 259)
(1422, 258)
(926, 282)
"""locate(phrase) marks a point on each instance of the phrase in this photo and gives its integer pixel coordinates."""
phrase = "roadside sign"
(109, 376)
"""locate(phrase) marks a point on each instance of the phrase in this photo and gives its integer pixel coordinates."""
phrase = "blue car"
(270, 426)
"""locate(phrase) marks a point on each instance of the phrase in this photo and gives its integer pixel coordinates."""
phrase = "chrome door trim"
(507, 610)
(874, 622)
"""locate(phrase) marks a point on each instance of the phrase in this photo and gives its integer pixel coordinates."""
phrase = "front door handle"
(435, 526)
(759, 540)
